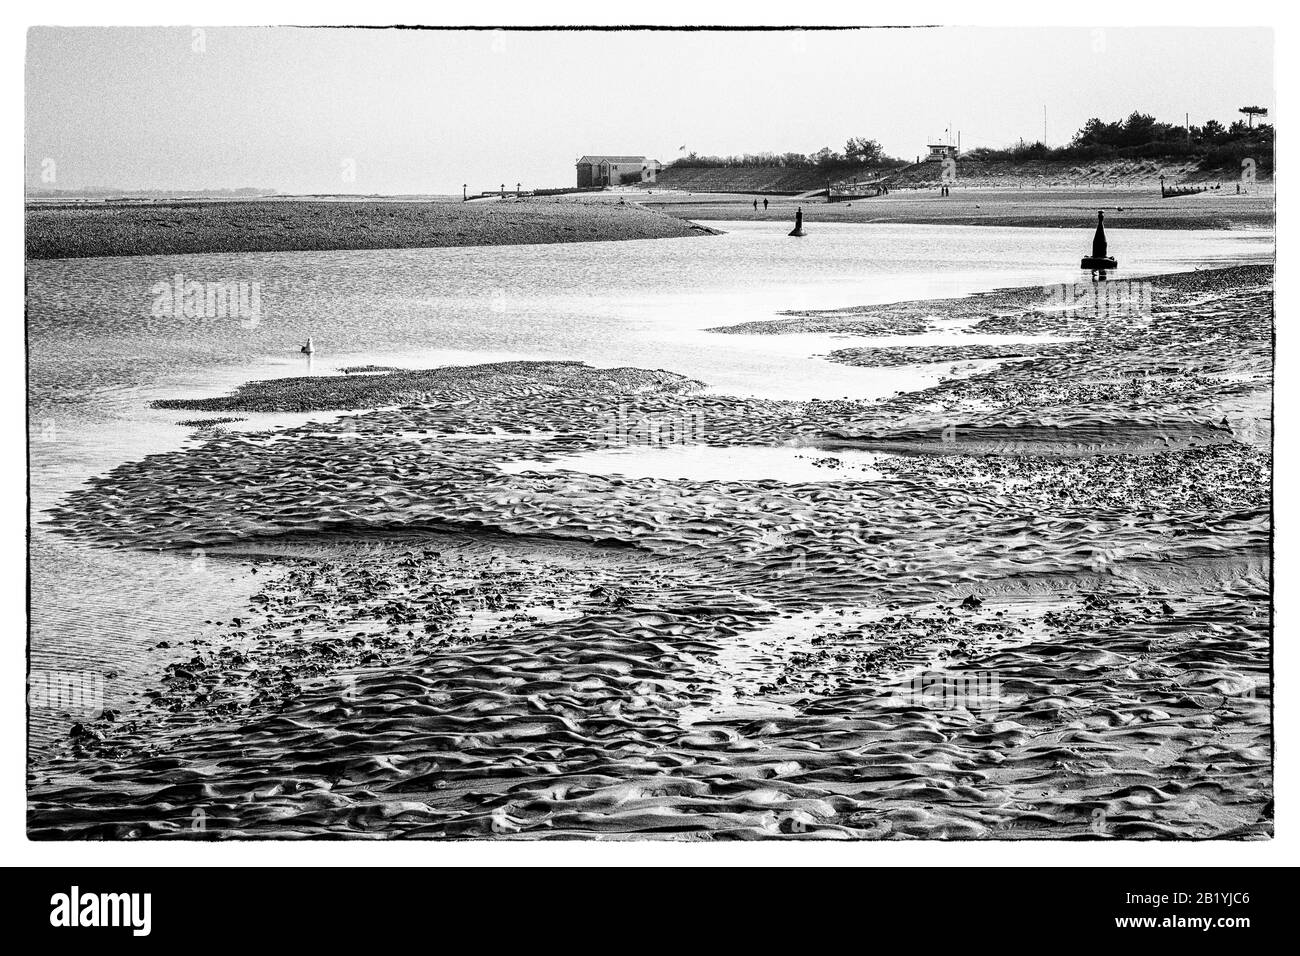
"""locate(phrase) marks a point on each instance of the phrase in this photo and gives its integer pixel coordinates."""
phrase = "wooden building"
(616, 170)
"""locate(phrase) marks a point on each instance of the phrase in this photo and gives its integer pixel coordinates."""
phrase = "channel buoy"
(798, 222)
(1099, 261)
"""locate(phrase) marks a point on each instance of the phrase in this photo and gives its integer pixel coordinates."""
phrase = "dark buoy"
(1099, 261)
(798, 222)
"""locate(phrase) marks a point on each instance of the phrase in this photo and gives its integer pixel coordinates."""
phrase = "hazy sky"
(423, 111)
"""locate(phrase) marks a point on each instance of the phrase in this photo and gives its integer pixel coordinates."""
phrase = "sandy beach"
(1139, 207)
(1030, 601)
(72, 230)
(75, 230)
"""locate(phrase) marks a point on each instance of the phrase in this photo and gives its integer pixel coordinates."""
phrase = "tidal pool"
(790, 464)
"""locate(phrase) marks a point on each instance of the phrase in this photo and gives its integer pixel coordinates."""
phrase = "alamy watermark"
(72, 692)
(187, 298)
(623, 427)
(1122, 297)
(77, 908)
(974, 691)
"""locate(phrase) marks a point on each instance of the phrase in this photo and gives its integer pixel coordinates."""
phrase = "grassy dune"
(1026, 174)
(1031, 173)
(68, 231)
(753, 179)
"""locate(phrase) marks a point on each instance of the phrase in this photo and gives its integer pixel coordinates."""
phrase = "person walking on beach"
(755, 205)
(765, 204)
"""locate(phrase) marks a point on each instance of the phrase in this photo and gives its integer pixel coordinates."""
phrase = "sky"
(400, 111)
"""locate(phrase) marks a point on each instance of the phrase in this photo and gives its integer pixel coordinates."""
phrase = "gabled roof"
(610, 159)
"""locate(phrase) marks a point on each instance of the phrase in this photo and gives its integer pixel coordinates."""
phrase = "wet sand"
(131, 229)
(77, 230)
(1044, 614)
(1054, 207)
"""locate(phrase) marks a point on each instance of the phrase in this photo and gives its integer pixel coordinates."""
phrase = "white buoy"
(309, 348)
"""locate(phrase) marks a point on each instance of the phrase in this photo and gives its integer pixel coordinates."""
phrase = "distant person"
(765, 205)
(755, 205)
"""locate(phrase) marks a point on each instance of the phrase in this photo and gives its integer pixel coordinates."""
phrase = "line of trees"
(1142, 136)
(858, 152)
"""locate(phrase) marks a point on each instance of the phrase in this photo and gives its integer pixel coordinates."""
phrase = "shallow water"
(713, 463)
(642, 303)
(98, 357)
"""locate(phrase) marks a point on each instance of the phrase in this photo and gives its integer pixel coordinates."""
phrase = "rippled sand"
(1046, 617)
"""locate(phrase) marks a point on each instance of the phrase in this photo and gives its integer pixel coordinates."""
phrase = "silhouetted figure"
(764, 205)
(1099, 261)
(798, 222)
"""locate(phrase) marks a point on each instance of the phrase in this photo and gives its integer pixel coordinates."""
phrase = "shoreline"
(73, 231)
(1073, 208)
